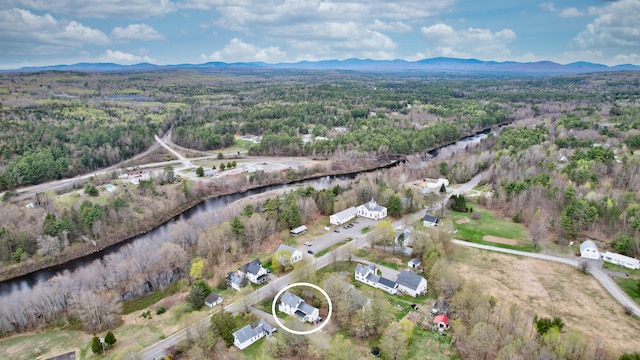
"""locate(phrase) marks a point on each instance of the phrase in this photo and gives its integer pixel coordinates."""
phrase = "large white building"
(589, 250)
(343, 216)
(251, 333)
(372, 210)
(411, 284)
(367, 275)
(621, 260)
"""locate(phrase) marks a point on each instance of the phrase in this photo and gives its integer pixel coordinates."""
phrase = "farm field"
(548, 290)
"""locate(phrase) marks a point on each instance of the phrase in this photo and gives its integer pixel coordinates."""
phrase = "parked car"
(336, 230)
(311, 251)
(308, 243)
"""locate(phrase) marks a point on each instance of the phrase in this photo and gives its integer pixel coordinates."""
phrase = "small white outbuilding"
(589, 250)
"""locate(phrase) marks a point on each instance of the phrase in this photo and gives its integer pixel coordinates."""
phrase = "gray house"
(411, 283)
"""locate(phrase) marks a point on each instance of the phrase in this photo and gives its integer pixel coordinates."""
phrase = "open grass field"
(550, 289)
(491, 230)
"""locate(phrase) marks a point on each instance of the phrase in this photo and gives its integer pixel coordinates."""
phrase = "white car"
(308, 243)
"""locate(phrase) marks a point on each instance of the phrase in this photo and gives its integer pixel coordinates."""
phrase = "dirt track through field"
(499, 240)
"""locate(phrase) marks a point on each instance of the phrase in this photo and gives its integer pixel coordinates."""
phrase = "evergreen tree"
(199, 291)
(237, 227)
(200, 171)
(394, 205)
(96, 346)
(110, 339)
(290, 215)
(223, 324)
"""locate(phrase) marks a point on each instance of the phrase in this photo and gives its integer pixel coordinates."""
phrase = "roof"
(290, 299)
(299, 229)
(386, 282)
(363, 270)
(588, 244)
(68, 356)
(213, 297)
(252, 267)
(415, 261)
(252, 330)
(287, 248)
(347, 212)
(442, 318)
(409, 279)
(306, 308)
(621, 258)
(372, 205)
(235, 278)
(431, 218)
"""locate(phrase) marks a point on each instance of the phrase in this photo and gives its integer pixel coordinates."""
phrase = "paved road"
(594, 269)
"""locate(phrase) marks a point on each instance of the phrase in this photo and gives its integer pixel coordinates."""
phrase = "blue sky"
(47, 32)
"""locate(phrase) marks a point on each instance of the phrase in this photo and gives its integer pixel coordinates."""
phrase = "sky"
(51, 32)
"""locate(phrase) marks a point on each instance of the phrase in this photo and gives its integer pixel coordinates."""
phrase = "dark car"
(336, 230)
(311, 251)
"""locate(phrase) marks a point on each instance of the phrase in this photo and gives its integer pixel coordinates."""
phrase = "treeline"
(60, 139)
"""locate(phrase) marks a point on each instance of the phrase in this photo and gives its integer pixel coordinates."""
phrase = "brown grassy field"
(550, 289)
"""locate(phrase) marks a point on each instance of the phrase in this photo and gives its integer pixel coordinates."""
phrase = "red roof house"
(442, 322)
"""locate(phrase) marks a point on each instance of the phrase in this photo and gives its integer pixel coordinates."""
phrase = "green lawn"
(474, 230)
(631, 287)
(427, 344)
(332, 247)
(129, 306)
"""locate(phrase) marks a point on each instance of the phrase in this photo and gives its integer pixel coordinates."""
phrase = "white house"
(213, 299)
(430, 221)
(254, 272)
(621, 260)
(411, 283)
(251, 333)
(295, 255)
(372, 210)
(293, 305)
(235, 280)
(343, 216)
(367, 275)
(589, 250)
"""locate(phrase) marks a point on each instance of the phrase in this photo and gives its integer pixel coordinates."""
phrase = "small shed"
(414, 263)
(441, 322)
(430, 221)
(589, 250)
(213, 299)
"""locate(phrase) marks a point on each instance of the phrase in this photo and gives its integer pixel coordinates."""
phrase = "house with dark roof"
(213, 299)
(251, 333)
(293, 305)
(430, 221)
(367, 275)
(254, 272)
(372, 210)
(411, 284)
(414, 263)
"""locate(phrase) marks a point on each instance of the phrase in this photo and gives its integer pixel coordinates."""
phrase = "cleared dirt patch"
(550, 289)
(499, 240)
(462, 221)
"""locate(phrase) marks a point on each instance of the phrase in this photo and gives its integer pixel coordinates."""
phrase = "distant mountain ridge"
(433, 65)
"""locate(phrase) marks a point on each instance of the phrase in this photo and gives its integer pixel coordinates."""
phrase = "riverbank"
(119, 237)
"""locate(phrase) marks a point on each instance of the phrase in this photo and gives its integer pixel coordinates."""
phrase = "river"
(210, 206)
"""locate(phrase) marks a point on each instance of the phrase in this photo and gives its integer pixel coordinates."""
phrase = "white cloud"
(100, 8)
(470, 42)
(566, 12)
(616, 25)
(22, 32)
(136, 32)
(120, 57)
(239, 51)
(394, 26)
(632, 58)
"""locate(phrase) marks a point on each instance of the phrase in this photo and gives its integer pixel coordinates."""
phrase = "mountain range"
(434, 65)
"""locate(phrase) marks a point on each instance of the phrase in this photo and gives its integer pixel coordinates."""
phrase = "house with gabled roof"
(235, 280)
(213, 299)
(430, 221)
(251, 333)
(367, 275)
(343, 216)
(293, 305)
(295, 255)
(411, 284)
(372, 210)
(254, 272)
